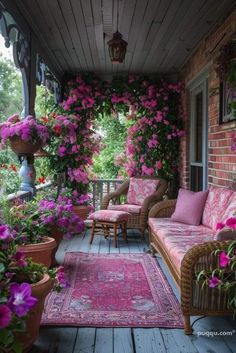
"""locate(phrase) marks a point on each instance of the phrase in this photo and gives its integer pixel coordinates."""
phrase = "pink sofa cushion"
(215, 206)
(134, 209)
(109, 216)
(230, 210)
(139, 189)
(189, 207)
(177, 238)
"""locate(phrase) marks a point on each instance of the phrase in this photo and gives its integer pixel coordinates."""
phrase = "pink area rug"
(113, 290)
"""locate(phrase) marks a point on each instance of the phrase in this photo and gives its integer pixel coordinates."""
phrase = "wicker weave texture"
(195, 300)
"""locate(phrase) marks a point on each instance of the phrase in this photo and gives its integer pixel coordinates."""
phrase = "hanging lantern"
(117, 48)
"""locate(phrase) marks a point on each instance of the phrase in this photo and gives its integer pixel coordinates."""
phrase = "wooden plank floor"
(133, 340)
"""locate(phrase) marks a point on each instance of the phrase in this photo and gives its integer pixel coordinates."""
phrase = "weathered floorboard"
(85, 341)
(123, 340)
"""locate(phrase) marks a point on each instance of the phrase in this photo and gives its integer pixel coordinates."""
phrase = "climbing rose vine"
(152, 109)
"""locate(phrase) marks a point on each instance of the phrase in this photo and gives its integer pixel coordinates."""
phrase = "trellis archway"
(152, 108)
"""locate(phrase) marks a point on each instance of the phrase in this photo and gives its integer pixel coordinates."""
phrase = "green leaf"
(17, 347)
(2, 267)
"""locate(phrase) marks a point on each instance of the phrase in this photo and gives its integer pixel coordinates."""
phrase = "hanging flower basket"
(24, 147)
(26, 136)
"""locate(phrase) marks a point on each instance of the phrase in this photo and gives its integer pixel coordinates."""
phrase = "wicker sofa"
(138, 213)
(188, 249)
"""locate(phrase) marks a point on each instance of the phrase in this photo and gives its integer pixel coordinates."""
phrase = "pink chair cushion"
(189, 207)
(177, 238)
(139, 189)
(109, 216)
(215, 206)
(134, 209)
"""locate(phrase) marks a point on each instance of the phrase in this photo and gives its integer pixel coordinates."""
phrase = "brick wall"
(221, 161)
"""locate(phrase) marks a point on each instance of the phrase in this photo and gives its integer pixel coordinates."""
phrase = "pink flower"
(231, 222)
(158, 165)
(61, 151)
(152, 143)
(220, 226)
(213, 282)
(224, 259)
(147, 171)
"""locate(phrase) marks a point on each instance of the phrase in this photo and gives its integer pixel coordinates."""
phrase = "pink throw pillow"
(189, 207)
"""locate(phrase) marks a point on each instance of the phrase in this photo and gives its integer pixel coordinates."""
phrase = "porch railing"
(101, 187)
(27, 195)
(98, 189)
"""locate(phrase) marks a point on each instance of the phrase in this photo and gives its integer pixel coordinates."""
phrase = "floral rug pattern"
(113, 290)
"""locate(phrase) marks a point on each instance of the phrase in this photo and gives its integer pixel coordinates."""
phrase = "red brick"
(222, 161)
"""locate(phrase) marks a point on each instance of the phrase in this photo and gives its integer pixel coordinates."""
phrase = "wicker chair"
(137, 220)
(195, 300)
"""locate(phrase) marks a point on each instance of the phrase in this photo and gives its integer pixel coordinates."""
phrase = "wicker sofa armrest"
(162, 209)
(199, 257)
(122, 190)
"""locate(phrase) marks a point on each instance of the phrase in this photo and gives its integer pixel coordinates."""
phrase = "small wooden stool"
(109, 219)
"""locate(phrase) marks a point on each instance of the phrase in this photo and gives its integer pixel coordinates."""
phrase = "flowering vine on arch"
(152, 108)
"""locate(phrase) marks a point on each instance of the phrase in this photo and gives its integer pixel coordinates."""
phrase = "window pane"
(196, 178)
(197, 131)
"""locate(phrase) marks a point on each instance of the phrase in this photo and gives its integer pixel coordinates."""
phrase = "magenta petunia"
(220, 226)
(5, 316)
(231, 222)
(21, 300)
(213, 282)
(224, 259)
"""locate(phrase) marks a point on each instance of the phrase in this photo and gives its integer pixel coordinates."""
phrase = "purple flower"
(213, 282)
(5, 233)
(19, 257)
(5, 316)
(224, 259)
(20, 300)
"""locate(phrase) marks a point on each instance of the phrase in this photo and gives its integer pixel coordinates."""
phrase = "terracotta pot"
(41, 252)
(39, 290)
(24, 147)
(81, 211)
(58, 236)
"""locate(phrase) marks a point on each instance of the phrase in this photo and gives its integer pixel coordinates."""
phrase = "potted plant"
(25, 136)
(81, 202)
(24, 287)
(61, 220)
(31, 235)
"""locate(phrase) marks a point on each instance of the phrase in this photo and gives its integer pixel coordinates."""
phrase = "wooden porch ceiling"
(161, 34)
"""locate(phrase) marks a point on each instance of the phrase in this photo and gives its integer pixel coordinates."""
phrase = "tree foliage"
(11, 98)
(114, 133)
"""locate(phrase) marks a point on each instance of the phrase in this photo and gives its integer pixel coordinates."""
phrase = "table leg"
(92, 232)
